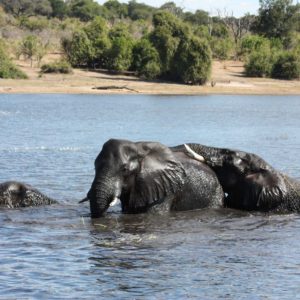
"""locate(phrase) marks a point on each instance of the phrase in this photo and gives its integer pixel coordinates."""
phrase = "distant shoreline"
(227, 78)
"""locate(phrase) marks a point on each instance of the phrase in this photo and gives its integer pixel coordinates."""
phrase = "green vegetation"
(60, 66)
(156, 43)
(286, 66)
(7, 68)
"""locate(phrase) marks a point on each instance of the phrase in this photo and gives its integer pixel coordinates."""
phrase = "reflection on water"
(58, 252)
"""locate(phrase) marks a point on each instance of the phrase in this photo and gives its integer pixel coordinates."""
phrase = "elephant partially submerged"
(249, 182)
(148, 175)
(15, 194)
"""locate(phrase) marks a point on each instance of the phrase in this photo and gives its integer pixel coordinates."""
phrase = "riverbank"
(227, 78)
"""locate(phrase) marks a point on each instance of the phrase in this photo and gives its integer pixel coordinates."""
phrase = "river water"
(57, 252)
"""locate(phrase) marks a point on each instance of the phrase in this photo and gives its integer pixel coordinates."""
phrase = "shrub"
(146, 60)
(79, 49)
(31, 47)
(120, 54)
(33, 24)
(286, 66)
(259, 64)
(7, 68)
(192, 61)
(60, 66)
(221, 48)
(253, 43)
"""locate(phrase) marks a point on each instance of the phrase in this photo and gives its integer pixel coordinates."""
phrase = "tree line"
(167, 42)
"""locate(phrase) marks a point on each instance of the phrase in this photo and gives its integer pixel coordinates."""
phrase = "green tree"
(259, 63)
(31, 47)
(286, 66)
(116, 9)
(221, 48)
(166, 36)
(59, 8)
(79, 50)
(120, 54)
(200, 17)
(97, 33)
(276, 18)
(193, 61)
(172, 8)
(138, 11)
(253, 43)
(26, 7)
(145, 60)
(85, 10)
(7, 68)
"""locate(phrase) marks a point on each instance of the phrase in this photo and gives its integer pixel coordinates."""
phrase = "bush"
(60, 66)
(120, 54)
(192, 61)
(79, 50)
(286, 66)
(7, 68)
(221, 48)
(146, 60)
(32, 47)
(259, 64)
(254, 43)
(34, 24)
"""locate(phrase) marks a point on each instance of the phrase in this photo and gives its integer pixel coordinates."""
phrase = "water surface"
(51, 141)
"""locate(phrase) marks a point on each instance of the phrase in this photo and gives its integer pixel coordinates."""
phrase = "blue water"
(57, 252)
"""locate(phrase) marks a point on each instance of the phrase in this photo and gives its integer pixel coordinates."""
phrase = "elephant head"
(140, 174)
(15, 194)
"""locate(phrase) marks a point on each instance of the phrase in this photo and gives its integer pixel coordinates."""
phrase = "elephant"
(150, 177)
(249, 182)
(15, 194)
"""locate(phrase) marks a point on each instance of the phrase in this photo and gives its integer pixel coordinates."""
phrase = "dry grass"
(227, 78)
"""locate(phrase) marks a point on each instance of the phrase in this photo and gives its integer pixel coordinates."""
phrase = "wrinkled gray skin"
(14, 194)
(148, 176)
(249, 182)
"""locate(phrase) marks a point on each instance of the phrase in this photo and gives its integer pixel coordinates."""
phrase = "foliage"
(120, 54)
(138, 11)
(59, 8)
(259, 63)
(145, 60)
(7, 68)
(79, 50)
(193, 61)
(34, 23)
(276, 18)
(286, 66)
(253, 43)
(32, 48)
(200, 17)
(166, 36)
(27, 7)
(172, 8)
(116, 10)
(221, 48)
(85, 10)
(60, 66)
(97, 34)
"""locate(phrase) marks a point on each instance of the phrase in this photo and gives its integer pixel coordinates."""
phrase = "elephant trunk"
(102, 193)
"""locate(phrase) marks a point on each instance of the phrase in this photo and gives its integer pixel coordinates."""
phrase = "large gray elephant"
(148, 175)
(249, 182)
(15, 194)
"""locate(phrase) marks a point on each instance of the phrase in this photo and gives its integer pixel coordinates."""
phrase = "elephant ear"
(160, 176)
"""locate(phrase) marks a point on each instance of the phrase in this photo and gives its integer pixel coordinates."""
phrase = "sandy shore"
(227, 78)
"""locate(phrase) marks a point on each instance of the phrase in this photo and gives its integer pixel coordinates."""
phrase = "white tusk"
(193, 154)
(114, 202)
